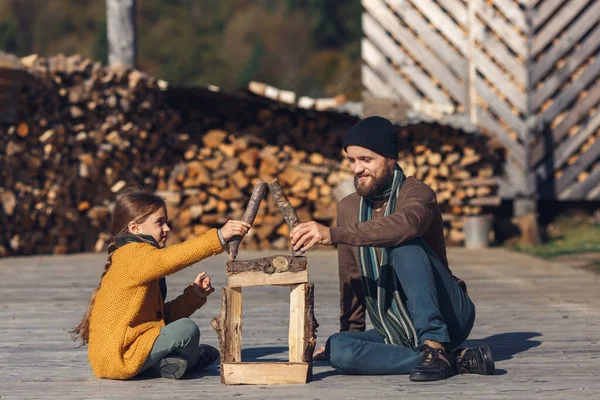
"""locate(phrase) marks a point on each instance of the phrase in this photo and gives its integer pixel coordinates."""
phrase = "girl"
(128, 326)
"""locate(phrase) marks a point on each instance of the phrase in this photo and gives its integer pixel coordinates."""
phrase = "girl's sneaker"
(206, 356)
(171, 367)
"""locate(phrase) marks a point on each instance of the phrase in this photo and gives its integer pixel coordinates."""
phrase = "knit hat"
(374, 133)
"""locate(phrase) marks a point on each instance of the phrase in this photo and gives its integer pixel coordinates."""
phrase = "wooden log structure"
(276, 270)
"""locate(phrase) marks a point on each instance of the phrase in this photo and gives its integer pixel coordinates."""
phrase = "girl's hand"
(202, 285)
(234, 228)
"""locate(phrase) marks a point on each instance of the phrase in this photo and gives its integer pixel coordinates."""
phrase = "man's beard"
(369, 187)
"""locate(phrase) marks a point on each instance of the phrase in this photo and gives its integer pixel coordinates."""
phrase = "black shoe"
(170, 367)
(435, 365)
(475, 361)
(206, 356)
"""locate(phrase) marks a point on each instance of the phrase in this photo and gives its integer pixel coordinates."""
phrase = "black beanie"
(376, 134)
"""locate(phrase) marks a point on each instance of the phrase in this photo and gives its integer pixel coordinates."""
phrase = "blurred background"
(308, 46)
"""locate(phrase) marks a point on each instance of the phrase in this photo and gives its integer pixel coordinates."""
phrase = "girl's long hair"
(134, 204)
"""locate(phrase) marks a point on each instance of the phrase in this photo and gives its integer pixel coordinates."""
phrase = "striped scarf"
(386, 309)
(132, 238)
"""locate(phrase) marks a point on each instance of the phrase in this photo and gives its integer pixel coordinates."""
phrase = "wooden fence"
(525, 71)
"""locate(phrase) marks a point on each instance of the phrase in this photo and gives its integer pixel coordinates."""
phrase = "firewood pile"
(85, 131)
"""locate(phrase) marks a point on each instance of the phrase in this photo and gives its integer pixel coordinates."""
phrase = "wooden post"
(525, 203)
(297, 308)
(228, 325)
(121, 29)
(471, 107)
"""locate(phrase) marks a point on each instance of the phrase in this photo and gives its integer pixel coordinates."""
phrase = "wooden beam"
(310, 327)
(561, 154)
(297, 320)
(491, 71)
(580, 191)
(264, 373)
(453, 60)
(456, 9)
(579, 111)
(509, 36)
(582, 163)
(228, 326)
(567, 95)
(574, 32)
(428, 61)
(245, 279)
(274, 270)
(485, 201)
(513, 13)
(594, 194)
(443, 22)
(121, 30)
(401, 88)
(514, 148)
(471, 57)
(499, 107)
(539, 15)
(374, 85)
(478, 182)
(267, 265)
(557, 23)
(560, 75)
(382, 41)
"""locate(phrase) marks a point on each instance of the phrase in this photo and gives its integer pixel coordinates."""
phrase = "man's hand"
(307, 234)
(202, 286)
(319, 354)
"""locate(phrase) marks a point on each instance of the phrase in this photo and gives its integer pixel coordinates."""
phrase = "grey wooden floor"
(541, 319)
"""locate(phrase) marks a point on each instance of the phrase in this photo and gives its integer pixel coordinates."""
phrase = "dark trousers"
(438, 307)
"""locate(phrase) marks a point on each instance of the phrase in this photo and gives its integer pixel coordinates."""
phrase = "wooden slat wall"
(536, 79)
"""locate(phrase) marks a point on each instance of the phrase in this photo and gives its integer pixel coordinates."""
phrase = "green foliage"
(309, 46)
(568, 235)
(101, 44)
(8, 37)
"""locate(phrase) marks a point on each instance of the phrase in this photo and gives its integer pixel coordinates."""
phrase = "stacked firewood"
(216, 181)
(461, 169)
(83, 131)
(86, 131)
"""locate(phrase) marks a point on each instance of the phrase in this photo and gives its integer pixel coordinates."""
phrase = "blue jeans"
(438, 307)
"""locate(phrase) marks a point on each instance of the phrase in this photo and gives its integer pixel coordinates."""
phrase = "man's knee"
(340, 354)
(409, 253)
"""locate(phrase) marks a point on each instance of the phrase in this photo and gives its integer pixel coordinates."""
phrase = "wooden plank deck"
(541, 319)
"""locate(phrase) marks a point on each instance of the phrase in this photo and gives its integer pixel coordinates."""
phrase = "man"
(393, 265)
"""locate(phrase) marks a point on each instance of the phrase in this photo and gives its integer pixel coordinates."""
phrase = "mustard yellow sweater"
(129, 310)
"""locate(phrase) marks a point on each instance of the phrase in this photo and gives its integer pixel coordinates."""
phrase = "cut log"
(257, 195)
(274, 270)
(228, 326)
(288, 211)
